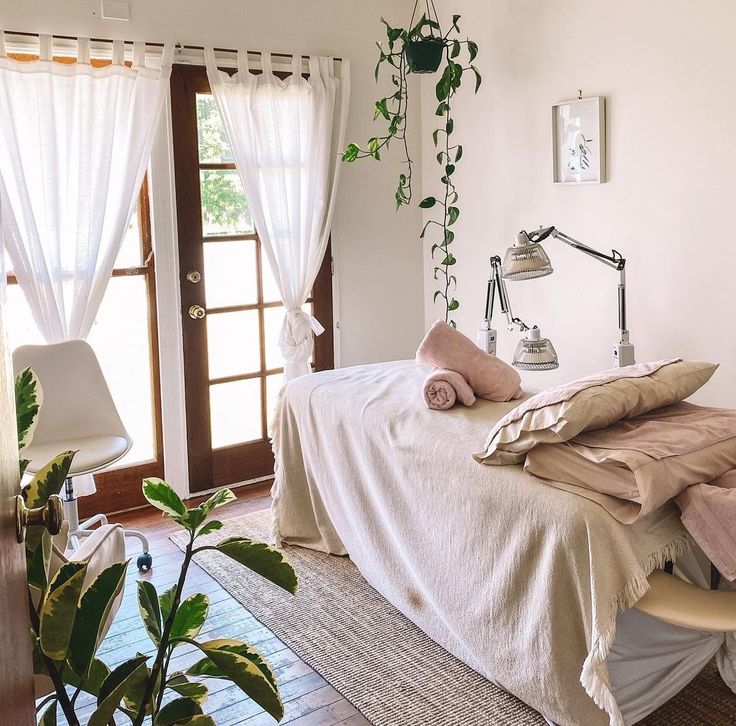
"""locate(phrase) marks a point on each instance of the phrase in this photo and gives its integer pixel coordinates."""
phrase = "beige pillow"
(594, 407)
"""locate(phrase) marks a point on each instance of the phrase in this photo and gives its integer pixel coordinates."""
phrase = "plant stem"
(158, 664)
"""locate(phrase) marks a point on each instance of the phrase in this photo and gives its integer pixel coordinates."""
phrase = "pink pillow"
(488, 376)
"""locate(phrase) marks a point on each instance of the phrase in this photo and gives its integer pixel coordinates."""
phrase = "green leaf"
(442, 89)
(449, 170)
(455, 52)
(455, 18)
(449, 237)
(262, 559)
(458, 154)
(209, 527)
(38, 556)
(48, 480)
(150, 610)
(245, 667)
(189, 689)
(190, 616)
(28, 400)
(136, 689)
(165, 601)
(454, 304)
(442, 109)
(449, 127)
(427, 203)
(98, 671)
(163, 497)
(373, 148)
(449, 259)
(200, 720)
(94, 610)
(178, 711)
(351, 153)
(435, 135)
(113, 689)
(49, 716)
(452, 213)
(381, 109)
(192, 519)
(472, 50)
(437, 294)
(477, 78)
(218, 499)
(59, 609)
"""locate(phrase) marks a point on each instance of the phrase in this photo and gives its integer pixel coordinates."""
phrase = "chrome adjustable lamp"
(527, 260)
(534, 353)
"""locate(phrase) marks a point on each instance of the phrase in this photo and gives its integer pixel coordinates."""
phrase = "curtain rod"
(180, 46)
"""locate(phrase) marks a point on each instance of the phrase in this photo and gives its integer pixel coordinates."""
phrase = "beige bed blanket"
(519, 580)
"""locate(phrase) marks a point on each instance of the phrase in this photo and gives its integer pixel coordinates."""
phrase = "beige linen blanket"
(519, 580)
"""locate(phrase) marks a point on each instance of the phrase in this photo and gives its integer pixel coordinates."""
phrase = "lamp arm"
(614, 260)
(496, 283)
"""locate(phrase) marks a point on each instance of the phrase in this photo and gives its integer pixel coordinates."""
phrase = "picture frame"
(579, 141)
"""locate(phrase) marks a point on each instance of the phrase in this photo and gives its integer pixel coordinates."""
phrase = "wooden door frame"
(252, 460)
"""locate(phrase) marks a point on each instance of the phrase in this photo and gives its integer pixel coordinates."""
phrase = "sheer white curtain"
(74, 145)
(286, 136)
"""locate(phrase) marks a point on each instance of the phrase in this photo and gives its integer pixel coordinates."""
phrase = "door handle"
(194, 276)
(197, 312)
(51, 516)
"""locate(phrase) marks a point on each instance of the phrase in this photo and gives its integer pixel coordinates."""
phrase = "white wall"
(667, 70)
(377, 253)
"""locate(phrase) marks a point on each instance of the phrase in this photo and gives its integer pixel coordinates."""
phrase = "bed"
(529, 585)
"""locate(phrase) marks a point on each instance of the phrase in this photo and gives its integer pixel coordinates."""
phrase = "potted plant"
(68, 616)
(423, 48)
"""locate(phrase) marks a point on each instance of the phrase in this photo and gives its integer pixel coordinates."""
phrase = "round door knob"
(194, 276)
(197, 312)
(51, 516)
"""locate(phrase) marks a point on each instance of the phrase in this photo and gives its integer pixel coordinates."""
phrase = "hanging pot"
(424, 55)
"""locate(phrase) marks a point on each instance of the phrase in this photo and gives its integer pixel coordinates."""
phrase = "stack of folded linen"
(462, 371)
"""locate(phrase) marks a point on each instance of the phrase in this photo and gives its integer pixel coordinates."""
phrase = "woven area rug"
(383, 664)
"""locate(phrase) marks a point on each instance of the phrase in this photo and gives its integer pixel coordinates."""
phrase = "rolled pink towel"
(488, 376)
(442, 388)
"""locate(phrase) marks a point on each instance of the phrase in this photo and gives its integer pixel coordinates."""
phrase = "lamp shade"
(525, 260)
(535, 353)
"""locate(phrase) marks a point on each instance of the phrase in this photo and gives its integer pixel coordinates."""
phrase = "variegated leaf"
(189, 689)
(218, 499)
(94, 610)
(178, 711)
(163, 497)
(38, 556)
(59, 609)
(150, 609)
(165, 601)
(113, 688)
(48, 480)
(259, 557)
(190, 616)
(28, 400)
(96, 676)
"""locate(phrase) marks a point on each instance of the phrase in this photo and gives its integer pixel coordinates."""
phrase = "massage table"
(539, 590)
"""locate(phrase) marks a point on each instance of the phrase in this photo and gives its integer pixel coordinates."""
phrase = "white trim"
(168, 301)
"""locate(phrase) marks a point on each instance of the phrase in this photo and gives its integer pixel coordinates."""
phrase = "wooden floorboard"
(308, 699)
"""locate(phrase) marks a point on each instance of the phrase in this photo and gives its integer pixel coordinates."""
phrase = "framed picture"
(579, 141)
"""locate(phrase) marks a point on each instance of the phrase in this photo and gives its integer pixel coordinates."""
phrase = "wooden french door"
(231, 310)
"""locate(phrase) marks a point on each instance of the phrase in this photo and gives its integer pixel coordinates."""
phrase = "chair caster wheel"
(144, 562)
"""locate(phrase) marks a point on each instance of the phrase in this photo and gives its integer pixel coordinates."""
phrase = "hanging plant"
(423, 48)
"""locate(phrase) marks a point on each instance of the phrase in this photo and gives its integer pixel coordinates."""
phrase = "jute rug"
(383, 664)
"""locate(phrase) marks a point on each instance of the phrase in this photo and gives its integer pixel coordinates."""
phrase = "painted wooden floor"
(309, 699)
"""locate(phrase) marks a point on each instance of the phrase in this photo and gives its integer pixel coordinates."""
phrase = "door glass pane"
(273, 387)
(235, 412)
(233, 343)
(230, 273)
(273, 318)
(270, 288)
(213, 146)
(120, 339)
(225, 209)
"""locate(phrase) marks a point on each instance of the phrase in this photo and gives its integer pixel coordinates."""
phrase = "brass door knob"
(197, 312)
(51, 516)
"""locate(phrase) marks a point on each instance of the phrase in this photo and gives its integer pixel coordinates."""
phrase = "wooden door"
(16, 668)
(231, 311)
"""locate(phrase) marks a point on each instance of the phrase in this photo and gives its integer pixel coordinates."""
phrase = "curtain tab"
(118, 53)
(3, 49)
(45, 50)
(139, 54)
(83, 50)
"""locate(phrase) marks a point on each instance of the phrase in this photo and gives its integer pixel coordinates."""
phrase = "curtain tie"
(295, 340)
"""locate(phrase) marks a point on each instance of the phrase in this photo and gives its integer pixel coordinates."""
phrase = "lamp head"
(535, 353)
(525, 260)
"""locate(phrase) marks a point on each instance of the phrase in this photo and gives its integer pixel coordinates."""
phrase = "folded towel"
(488, 376)
(442, 388)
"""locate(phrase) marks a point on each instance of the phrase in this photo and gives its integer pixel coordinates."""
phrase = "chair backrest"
(76, 399)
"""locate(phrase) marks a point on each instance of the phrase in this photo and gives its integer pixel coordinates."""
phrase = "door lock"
(194, 276)
(51, 516)
(197, 312)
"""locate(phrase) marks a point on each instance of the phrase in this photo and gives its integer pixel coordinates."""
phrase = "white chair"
(77, 414)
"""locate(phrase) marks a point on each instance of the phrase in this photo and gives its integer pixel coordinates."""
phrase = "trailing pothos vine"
(424, 49)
